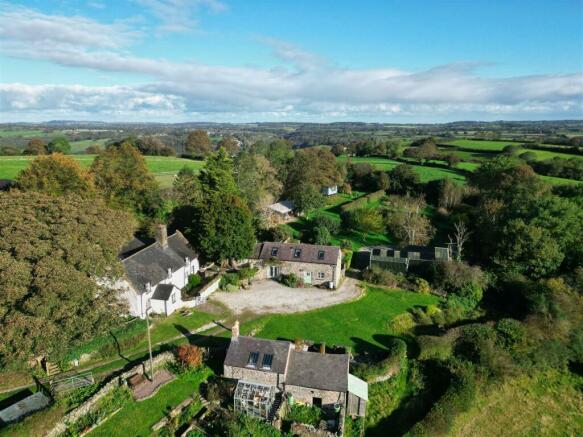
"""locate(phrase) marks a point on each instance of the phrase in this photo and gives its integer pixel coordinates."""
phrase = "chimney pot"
(235, 331)
(162, 235)
(298, 344)
(323, 348)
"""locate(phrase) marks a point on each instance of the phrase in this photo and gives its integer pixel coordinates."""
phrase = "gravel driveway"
(268, 297)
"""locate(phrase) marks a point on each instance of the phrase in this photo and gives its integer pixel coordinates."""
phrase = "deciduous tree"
(198, 143)
(36, 146)
(59, 145)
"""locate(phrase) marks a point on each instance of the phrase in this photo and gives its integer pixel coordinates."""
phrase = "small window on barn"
(297, 253)
(376, 252)
(321, 275)
(321, 254)
(253, 357)
(267, 360)
(274, 251)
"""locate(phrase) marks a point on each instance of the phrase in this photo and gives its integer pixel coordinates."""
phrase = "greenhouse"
(254, 399)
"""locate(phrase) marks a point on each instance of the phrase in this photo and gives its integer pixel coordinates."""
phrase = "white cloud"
(180, 15)
(306, 86)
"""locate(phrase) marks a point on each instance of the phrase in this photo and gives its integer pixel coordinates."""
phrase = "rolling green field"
(163, 167)
(493, 146)
(363, 325)
(26, 133)
(80, 146)
(425, 173)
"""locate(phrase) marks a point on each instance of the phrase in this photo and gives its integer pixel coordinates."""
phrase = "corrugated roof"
(308, 253)
(357, 387)
(151, 264)
(316, 370)
(283, 207)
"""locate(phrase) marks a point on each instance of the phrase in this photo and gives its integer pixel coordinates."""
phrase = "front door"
(307, 277)
(274, 271)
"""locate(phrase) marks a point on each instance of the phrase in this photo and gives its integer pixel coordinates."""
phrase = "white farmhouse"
(157, 273)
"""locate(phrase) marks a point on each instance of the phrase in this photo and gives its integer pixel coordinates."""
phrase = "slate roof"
(132, 247)
(151, 264)
(163, 292)
(308, 254)
(320, 371)
(426, 253)
(242, 346)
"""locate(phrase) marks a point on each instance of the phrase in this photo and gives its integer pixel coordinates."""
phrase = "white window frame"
(321, 275)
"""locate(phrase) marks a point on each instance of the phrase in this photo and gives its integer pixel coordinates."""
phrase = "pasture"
(163, 167)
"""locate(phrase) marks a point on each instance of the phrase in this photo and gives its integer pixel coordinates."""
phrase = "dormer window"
(252, 361)
(297, 253)
(321, 254)
(274, 251)
(267, 360)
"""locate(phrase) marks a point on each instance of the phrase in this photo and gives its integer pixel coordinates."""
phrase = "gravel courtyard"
(269, 297)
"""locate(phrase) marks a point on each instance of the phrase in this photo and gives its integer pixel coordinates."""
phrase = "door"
(274, 271)
(317, 402)
(307, 277)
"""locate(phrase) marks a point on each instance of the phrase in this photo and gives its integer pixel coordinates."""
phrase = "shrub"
(422, 286)
(329, 223)
(511, 332)
(347, 258)
(229, 279)
(291, 281)
(380, 276)
(304, 414)
(401, 323)
(190, 356)
(322, 235)
(194, 281)
(391, 365)
(278, 234)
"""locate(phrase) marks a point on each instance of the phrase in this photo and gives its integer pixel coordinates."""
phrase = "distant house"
(280, 212)
(155, 274)
(403, 259)
(330, 191)
(314, 264)
(270, 367)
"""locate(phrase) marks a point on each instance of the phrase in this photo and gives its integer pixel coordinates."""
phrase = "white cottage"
(156, 274)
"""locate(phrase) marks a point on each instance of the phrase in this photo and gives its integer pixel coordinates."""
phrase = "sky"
(302, 60)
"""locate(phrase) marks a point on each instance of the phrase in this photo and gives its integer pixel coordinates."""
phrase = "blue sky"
(222, 60)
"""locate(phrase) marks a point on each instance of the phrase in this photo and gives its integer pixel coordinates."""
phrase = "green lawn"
(6, 133)
(163, 167)
(425, 173)
(80, 146)
(362, 325)
(137, 418)
(495, 146)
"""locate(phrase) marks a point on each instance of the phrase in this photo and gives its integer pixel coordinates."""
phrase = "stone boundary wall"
(118, 380)
(205, 292)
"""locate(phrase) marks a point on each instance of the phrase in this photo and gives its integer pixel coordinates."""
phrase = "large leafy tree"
(36, 146)
(217, 175)
(406, 221)
(316, 167)
(57, 255)
(198, 143)
(59, 145)
(121, 175)
(56, 175)
(257, 180)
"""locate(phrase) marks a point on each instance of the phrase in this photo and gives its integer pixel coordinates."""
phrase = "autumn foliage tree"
(35, 146)
(198, 143)
(56, 175)
(53, 250)
(122, 177)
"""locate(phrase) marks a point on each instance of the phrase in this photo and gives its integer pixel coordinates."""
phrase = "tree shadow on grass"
(118, 347)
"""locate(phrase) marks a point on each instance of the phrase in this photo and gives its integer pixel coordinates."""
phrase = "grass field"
(163, 167)
(363, 325)
(541, 404)
(21, 133)
(494, 146)
(425, 173)
(80, 146)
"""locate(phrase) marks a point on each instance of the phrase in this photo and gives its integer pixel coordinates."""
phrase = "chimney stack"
(298, 344)
(235, 331)
(323, 348)
(162, 235)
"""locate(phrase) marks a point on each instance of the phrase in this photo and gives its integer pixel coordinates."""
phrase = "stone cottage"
(155, 274)
(312, 378)
(314, 264)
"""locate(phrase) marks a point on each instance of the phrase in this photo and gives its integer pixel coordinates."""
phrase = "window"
(274, 251)
(173, 297)
(267, 360)
(376, 252)
(297, 253)
(321, 275)
(253, 357)
(321, 254)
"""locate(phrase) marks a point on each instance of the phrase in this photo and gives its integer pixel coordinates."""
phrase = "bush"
(190, 356)
(391, 365)
(329, 223)
(278, 234)
(380, 276)
(434, 348)
(304, 414)
(422, 286)
(401, 323)
(194, 281)
(322, 235)
(291, 281)
(511, 332)
(229, 279)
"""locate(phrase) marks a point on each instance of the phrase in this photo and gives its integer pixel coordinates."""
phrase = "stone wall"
(306, 395)
(158, 361)
(331, 273)
(253, 375)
